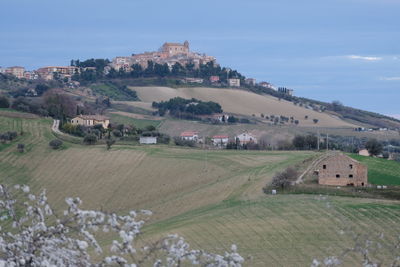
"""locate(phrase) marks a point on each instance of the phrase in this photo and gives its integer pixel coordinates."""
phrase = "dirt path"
(55, 127)
(312, 166)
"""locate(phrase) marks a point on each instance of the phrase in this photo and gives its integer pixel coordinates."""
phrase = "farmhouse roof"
(189, 133)
(94, 117)
(333, 154)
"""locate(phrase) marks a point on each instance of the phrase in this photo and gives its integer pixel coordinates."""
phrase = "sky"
(346, 50)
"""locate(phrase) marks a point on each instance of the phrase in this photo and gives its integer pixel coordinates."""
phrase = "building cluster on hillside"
(45, 73)
(169, 53)
(221, 140)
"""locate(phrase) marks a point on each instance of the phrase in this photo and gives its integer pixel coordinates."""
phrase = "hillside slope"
(212, 198)
(243, 103)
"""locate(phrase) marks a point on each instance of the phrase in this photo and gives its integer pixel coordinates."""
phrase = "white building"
(234, 82)
(250, 81)
(190, 136)
(220, 140)
(246, 138)
(148, 140)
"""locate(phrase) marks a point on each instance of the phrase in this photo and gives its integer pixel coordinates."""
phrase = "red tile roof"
(185, 134)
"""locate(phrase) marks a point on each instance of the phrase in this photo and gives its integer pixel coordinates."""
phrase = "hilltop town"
(169, 55)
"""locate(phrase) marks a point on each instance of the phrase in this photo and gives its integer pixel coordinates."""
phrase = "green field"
(381, 171)
(212, 198)
(140, 123)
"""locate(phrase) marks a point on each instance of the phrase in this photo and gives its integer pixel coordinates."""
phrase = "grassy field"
(130, 118)
(212, 198)
(381, 171)
(287, 230)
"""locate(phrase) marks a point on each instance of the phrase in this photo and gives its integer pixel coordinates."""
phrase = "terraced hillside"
(212, 198)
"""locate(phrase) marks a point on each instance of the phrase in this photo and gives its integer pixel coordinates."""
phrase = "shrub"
(150, 128)
(181, 142)
(4, 102)
(21, 148)
(109, 143)
(284, 179)
(90, 139)
(117, 133)
(55, 144)
(163, 139)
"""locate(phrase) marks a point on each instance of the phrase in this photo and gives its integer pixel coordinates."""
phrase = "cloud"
(390, 78)
(363, 58)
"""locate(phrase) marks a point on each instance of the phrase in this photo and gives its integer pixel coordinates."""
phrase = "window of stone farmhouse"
(337, 175)
(350, 175)
(351, 166)
(324, 167)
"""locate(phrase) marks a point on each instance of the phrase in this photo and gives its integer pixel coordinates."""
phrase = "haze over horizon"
(344, 50)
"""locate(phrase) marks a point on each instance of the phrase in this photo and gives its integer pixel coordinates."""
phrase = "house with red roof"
(190, 136)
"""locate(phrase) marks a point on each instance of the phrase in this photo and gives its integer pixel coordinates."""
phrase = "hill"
(243, 103)
(212, 198)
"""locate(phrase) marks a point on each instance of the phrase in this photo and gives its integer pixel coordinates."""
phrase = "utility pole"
(327, 142)
(318, 140)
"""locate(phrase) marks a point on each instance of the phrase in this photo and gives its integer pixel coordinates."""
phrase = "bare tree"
(38, 236)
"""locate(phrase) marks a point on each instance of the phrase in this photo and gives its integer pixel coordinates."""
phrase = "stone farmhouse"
(169, 53)
(91, 120)
(245, 138)
(340, 170)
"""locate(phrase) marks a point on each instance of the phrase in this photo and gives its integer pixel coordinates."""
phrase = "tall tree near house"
(374, 147)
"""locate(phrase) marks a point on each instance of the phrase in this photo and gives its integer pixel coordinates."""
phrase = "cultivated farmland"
(212, 198)
(242, 102)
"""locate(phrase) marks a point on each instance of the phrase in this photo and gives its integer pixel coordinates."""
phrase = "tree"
(299, 142)
(42, 237)
(55, 144)
(90, 139)
(284, 179)
(4, 102)
(109, 143)
(337, 105)
(374, 147)
(232, 119)
(21, 148)
(150, 128)
(315, 121)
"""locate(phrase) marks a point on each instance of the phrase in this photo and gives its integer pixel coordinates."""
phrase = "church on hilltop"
(174, 49)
